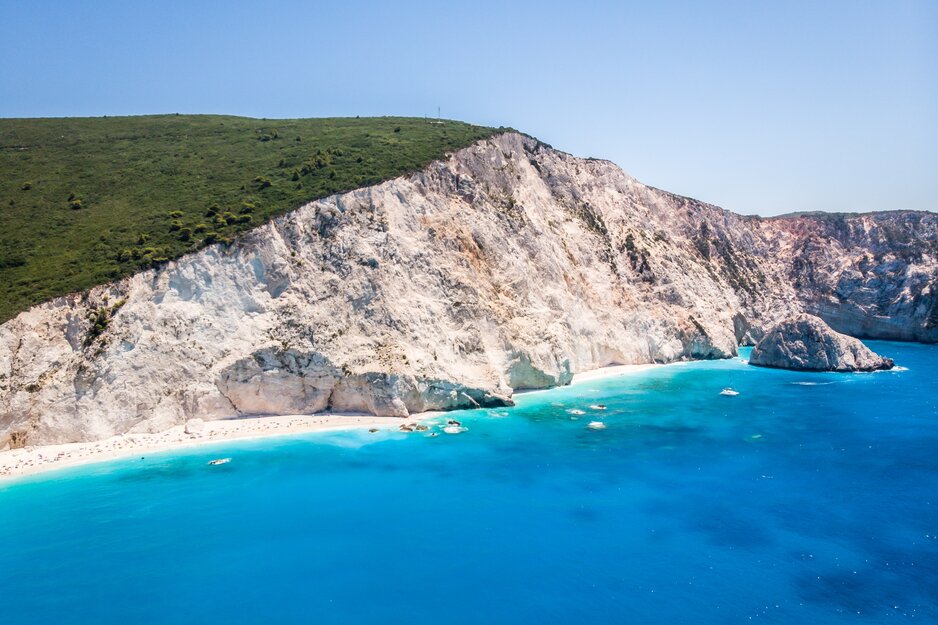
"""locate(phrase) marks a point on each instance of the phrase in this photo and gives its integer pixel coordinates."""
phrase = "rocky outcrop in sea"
(507, 266)
(805, 343)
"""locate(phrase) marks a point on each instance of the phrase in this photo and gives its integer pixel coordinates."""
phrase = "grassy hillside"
(87, 200)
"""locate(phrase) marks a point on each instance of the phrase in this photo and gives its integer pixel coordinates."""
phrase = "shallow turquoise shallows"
(807, 498)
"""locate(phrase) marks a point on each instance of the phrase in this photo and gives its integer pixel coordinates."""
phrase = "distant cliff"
(509, 265)
(869, 276)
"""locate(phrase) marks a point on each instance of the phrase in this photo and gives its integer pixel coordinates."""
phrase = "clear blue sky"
(760, 107)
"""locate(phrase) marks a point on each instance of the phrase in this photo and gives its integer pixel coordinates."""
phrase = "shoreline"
(32, 460)
(602, 373)
(26, 461)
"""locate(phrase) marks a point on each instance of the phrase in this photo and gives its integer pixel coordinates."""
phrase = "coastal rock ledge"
(805, 343)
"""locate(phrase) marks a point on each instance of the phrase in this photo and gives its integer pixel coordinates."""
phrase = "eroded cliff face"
(508, 266)
(869, 276)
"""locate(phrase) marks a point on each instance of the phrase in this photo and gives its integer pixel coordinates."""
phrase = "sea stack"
(806, 343)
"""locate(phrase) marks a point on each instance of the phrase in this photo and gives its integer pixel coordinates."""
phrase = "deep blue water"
(809, 498)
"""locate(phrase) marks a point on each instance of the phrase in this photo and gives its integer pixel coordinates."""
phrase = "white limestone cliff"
(507, 266)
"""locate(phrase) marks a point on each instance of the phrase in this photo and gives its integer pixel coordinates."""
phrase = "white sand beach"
(612, 372)
(30, 460)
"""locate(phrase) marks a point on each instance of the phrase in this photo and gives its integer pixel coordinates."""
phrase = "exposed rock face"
(510, 265)
(806, 343)
(869, 276)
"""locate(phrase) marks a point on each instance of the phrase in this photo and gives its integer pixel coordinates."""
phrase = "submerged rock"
(806, 343)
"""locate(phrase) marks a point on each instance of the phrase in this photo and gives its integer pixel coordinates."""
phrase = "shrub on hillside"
(214, 237)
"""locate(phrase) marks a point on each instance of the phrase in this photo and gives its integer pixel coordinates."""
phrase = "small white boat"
(598, 407)
(596, 425)
(219, 461)
(729, 392)
(576, 411)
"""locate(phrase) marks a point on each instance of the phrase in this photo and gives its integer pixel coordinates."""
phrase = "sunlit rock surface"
(508, 266)
(805, 343)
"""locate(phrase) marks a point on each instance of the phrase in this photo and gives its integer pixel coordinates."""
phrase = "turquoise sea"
(807, 498)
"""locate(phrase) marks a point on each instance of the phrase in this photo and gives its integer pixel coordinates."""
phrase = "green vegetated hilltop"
(84, 201)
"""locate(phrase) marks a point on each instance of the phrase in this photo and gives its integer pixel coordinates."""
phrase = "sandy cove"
(29, 460)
